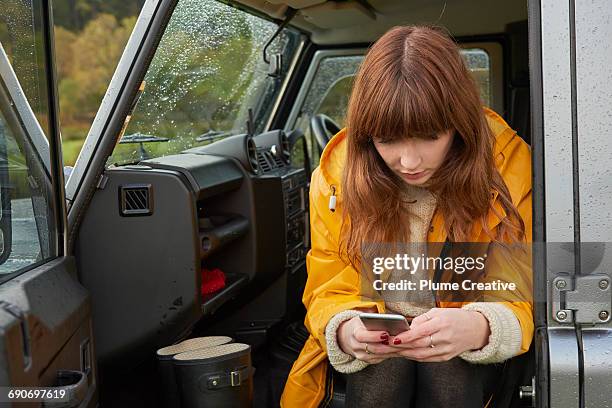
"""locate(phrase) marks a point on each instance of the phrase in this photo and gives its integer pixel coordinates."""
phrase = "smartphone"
(393, 324)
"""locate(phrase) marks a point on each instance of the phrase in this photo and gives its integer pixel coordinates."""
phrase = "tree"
(74, 15)
(86, 63)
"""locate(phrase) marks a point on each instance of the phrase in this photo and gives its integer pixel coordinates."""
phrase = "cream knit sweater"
(505, 338)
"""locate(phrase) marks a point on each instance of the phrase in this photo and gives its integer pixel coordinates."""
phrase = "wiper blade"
(142, 138)
(212, 135)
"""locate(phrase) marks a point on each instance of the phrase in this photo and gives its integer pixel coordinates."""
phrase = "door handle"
(74, 385)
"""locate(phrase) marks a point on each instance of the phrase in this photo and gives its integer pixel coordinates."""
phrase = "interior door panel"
(57, 325)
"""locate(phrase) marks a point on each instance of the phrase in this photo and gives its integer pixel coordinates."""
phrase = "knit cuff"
(341, 361)
(505, 338)
(409, 308)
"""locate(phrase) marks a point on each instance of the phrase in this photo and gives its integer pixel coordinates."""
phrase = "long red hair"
(413, 82)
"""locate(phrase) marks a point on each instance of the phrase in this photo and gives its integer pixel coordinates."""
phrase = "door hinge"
(585, 299)
(20, 315)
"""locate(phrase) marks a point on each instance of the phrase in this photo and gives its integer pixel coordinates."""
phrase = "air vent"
(264, 165)
(252, 155)
(136, 200)
(272, 160)
(280, 162)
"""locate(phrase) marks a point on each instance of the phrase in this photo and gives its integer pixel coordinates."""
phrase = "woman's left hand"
(452, 332)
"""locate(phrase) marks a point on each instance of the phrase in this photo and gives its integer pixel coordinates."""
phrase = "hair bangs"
(405, 110)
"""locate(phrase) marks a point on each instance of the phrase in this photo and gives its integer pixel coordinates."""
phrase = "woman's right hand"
(352, 337)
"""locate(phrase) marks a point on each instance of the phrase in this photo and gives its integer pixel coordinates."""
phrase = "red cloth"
(212, 281)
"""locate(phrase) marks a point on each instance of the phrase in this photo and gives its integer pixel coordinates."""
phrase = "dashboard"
(237, 205)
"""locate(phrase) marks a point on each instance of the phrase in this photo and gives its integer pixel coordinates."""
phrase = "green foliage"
(74, 15)
(205, 74)
(4, 36)
(71, 149)
(86, 61)
(86, 64)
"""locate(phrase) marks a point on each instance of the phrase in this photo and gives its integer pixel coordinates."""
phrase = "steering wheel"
(323, 128)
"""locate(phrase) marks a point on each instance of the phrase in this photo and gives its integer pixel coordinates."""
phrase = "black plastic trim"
(293, 86)
(55, 142)
(576, 183)
(539, 203)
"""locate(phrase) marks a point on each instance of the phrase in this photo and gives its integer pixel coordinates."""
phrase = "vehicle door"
(45, 317)
(593, 116)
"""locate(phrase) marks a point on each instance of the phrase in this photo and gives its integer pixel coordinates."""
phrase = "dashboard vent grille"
(269, 161)
(263, 162)
(279, 161)
(136, 200)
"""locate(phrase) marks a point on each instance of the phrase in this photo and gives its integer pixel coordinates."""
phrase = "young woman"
(421, 160)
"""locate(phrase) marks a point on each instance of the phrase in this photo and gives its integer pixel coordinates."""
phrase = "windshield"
(206, 74)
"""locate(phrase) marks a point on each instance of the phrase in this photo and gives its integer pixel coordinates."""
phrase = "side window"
(478, 62)
(335, 102)
(485, 61)
(328, 94)
(28, 233)
(27, 227)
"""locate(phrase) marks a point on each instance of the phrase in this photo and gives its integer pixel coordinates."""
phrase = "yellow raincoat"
(334, 286)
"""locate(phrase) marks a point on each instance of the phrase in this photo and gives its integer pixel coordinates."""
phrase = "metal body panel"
(593, 22)
(594, 110)
(597, 350)
(564, 364)
(557, 91)
(556, 85)
(541, 380)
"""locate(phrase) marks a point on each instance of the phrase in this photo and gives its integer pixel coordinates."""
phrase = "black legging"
(403, 383)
